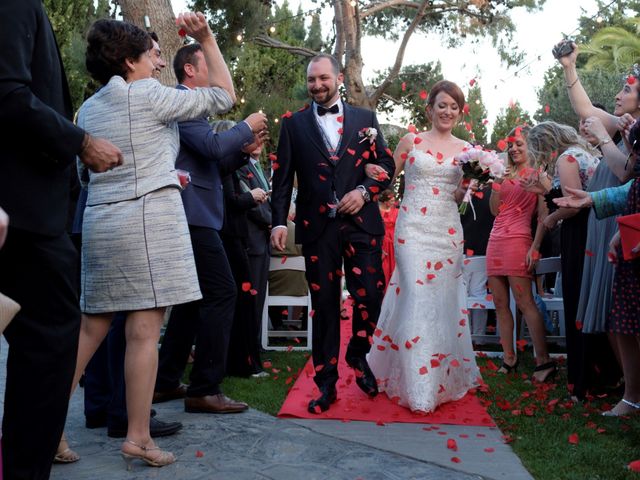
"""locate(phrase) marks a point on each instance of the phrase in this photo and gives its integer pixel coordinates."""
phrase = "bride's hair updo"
(451, 89)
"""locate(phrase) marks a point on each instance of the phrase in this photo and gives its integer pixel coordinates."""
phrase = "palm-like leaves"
(614, 48)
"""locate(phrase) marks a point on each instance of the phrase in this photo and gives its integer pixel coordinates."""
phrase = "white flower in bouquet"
(480, 165)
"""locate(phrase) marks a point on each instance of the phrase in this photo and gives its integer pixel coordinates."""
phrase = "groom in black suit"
(327, 147)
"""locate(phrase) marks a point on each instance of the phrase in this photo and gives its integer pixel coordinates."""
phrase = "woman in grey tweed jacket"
(136, 250)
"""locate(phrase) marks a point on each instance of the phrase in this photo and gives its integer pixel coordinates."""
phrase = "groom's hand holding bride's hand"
(351, 203)
(376, 172)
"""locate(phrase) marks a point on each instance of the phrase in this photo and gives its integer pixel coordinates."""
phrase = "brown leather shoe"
(179, 392)
(219, 403)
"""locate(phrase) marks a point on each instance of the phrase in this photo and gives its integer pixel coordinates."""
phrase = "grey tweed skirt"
(137, 255)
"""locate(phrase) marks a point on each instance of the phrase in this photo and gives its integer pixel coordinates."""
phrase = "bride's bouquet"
(480, 165)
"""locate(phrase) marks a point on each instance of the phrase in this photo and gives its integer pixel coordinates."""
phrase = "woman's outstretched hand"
(577, 199)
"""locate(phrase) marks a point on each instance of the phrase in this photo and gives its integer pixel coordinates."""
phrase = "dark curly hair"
(386, 195)
(109, 44)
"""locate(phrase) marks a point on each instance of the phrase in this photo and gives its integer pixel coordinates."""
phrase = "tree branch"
(440, 8)
(378, 7)
(393, 73)
(338, 22)
(267, 41)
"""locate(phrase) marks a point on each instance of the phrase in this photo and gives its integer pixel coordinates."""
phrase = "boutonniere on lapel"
(368, 133)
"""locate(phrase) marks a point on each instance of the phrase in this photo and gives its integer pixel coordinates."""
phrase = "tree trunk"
(356, 92)
(161, 21)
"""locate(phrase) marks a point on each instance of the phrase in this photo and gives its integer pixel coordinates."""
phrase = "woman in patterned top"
(624, 321)
(570, 160)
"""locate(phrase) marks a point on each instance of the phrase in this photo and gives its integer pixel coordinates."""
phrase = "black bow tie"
(323, 111)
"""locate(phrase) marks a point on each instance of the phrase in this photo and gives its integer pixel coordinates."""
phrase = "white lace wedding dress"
(422, 354)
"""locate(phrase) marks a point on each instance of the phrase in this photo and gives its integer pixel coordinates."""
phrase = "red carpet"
(353, 404)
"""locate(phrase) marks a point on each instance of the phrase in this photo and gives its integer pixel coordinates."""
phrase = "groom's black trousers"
(362, 255)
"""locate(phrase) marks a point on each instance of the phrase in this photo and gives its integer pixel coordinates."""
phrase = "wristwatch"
(364, 192)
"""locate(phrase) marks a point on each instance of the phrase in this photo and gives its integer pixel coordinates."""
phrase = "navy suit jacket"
(302, 152)
(39, 141)
(208, 157)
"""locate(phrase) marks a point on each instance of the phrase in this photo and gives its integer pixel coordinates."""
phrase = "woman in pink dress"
(389, 212)
(512, 255)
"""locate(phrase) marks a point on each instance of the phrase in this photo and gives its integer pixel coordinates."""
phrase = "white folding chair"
(555, 302)
(291, 263)
(479, 264)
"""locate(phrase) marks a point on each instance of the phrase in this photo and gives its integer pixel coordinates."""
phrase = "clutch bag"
(629, 226)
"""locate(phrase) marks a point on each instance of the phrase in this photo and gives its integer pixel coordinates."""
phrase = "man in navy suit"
(207, 156)
(327, 147)
(259, 231)
(38, 263)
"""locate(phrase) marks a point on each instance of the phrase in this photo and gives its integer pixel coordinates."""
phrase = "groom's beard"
(321, 97)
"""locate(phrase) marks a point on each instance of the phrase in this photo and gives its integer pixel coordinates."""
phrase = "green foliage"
(314, 38)
(601, 86)
(71, 20)
(602, 81)
(409, 91)
(272, 80)
(507, 120)
(475, 19)
(612, 16)
(614, 47)
(474, 123)
(230, 18)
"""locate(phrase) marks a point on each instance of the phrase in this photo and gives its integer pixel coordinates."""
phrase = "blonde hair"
(548, 140)
(523, 131)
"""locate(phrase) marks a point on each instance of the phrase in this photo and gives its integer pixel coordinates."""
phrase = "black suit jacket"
(302, 152)
(236, 204)
(39, 141)
(259, 217)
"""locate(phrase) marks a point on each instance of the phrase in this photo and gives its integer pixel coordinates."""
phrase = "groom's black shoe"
(327, 396)
(364, 376)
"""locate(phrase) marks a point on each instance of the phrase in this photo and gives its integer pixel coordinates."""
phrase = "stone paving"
(256, 446)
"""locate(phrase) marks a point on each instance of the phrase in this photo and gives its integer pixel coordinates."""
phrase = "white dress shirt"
(329, 123)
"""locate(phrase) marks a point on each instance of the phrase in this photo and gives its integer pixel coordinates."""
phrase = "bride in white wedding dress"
(422, 354)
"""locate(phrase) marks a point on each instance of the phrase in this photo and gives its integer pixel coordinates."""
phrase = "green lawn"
(554, 438)
(268, 394)
(538, 421)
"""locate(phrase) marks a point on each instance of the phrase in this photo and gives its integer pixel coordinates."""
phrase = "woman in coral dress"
(511, 257)
(389, 212)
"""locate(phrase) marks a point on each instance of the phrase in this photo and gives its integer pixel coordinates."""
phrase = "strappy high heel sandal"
(66, 455)
(552, 366)
(634, 409)
(162, 459)
(506, 368)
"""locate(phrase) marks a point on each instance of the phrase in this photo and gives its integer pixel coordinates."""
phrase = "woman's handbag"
(8, 310)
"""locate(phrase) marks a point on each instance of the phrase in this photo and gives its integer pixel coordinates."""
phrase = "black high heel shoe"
(546, 366)
(507, 369)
